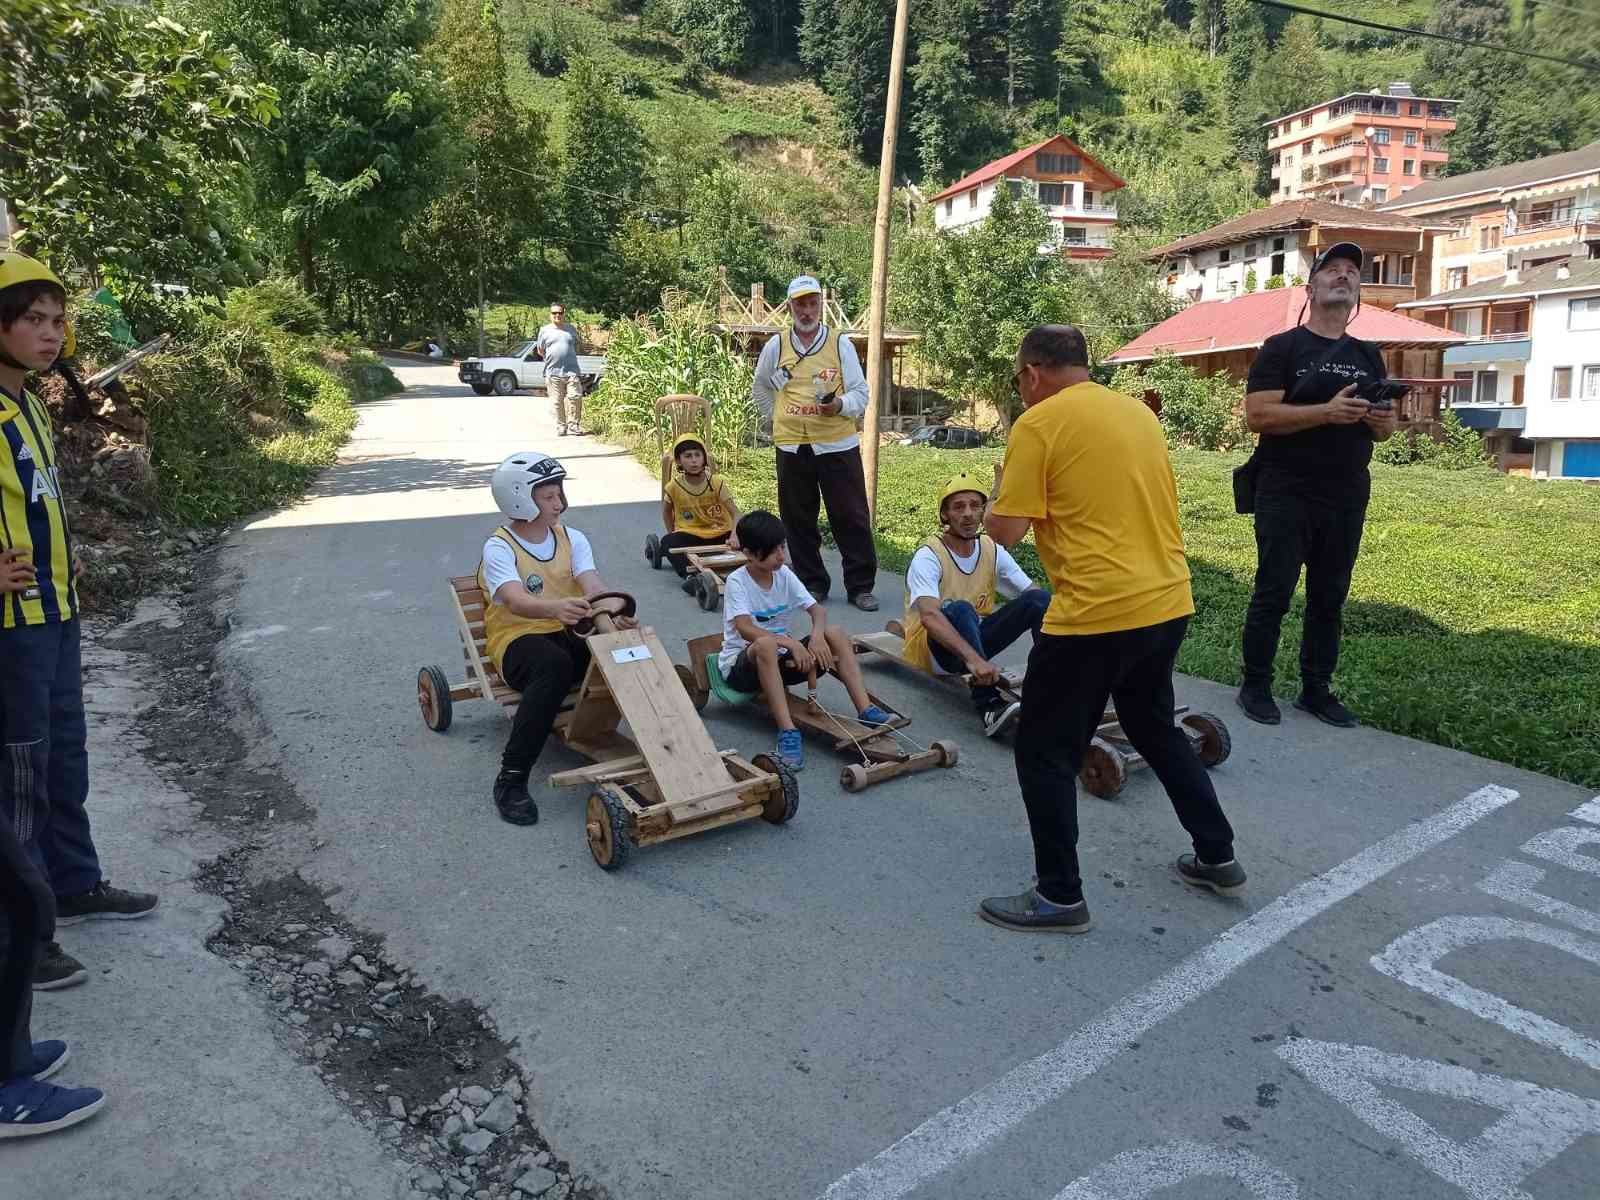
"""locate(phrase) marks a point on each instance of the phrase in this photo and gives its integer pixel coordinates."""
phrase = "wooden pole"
(876, 375)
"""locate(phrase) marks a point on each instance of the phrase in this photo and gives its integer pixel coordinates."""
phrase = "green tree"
(121, 141)
(1246, 46)
(847, 44)
(716, 33)
(603, 167)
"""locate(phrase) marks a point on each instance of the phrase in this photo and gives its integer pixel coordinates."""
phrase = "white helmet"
(515, 479)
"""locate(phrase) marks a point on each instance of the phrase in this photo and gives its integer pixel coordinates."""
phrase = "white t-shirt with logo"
(500, 565)
(770, 608)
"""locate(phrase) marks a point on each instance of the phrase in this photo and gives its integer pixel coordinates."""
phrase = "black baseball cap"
(1345, 250)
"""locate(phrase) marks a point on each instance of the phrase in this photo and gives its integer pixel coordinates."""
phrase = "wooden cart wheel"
(1103, 771)
(710, 597)
(1215, 744)
(782, 804)
(433, 698)
(699, 695)
(949, 753)
(853, 778)
(606, 828)
(652, 551)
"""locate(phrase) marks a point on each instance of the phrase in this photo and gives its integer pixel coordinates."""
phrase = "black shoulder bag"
(1246, 474)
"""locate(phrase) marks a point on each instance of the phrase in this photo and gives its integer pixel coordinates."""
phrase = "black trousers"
(837, 479)
(1063, 697)
(27, 921)
(1323, 535)
(543, 667)
(680, 563)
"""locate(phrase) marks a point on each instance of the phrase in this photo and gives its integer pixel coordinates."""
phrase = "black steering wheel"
(629, 606)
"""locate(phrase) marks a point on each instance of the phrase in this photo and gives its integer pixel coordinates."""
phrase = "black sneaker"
(1225, 879)
(1325, 706)
(1258, 704)
(1032, 913)
(104, 903)
(1000, 717)
(57, 969)
(512, 799)
(865, 601)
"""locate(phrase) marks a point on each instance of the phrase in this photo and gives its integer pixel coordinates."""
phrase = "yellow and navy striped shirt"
(32, 515)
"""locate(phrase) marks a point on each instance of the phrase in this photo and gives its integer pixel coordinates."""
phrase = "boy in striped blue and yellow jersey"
(44, 783)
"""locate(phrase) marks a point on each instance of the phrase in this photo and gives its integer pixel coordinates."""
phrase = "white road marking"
(1135, 1174)
(969, 1125)
(1589, 811)
(1560, 846)
(1515, 882)
(1539, 1123)
(1410, 958)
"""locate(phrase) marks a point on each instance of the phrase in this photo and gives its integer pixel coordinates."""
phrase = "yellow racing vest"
(548, 580)
(795, 420)
(701, 513)
(977, 589)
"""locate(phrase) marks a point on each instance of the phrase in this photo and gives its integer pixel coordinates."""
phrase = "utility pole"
(477, 217)
(877, 371)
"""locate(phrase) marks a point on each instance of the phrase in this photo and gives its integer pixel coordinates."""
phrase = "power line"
(1473, 43)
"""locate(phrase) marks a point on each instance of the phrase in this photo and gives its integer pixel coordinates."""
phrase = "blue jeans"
(991, 634)
(44, 783)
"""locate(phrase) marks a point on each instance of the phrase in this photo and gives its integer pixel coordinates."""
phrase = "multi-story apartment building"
(1275, 246)
(1516, 217)
(1073, 189)
(1530, 376)
(1364, 148)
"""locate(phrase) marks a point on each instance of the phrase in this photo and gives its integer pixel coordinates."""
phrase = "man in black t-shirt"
(1311, 492)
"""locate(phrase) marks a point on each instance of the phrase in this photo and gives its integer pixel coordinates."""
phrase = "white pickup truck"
(522, 368)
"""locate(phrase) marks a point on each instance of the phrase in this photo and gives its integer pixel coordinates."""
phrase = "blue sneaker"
(873, 715)
(48, 1058)
(791, 751)
(29, 1108)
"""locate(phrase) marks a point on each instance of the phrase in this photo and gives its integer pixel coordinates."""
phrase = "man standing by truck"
(558, 348)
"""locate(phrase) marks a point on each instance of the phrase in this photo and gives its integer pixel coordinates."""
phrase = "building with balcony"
(1364, 148)
(1073, 189)
(1278, 244)
(1512, 218)
(1529, 378)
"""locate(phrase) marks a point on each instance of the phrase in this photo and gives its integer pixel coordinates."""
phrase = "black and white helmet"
(515, 479)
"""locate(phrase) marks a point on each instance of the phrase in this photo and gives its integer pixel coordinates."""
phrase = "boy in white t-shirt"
(758, 651)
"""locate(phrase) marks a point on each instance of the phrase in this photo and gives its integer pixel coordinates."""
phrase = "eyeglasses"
(1016, 377)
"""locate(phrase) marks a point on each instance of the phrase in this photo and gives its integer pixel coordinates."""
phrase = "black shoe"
(865, 601)
(1032, 913)
(57, 969)
(104, 903)
(689, 583)
(998, 719)
(820, 595)
(512, 799)
(1325, 706)
(1258, 704)
(1226, 879)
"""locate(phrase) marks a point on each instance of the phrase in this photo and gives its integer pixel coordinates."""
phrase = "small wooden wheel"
(949, 753)
(784, 800)
(853, 778)
(606, 829)
(1103, 772)
(1215, 742)
(433, 698)
(652, 551)
(699, 695)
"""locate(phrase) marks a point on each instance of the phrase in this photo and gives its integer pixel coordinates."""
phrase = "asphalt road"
(816, 1009)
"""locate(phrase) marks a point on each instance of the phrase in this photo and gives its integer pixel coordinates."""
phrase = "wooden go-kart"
(668, 780)
(708, 566)
(884, 750)
(1111, 757)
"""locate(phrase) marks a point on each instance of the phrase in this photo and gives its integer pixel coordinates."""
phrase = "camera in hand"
(1381, 393)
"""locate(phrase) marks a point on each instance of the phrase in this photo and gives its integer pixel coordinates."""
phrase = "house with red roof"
(1071, 186)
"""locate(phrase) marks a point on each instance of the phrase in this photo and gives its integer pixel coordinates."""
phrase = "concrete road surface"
(1403, 1005)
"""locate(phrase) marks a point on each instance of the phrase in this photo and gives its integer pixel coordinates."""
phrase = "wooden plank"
(732, 816)
(600, 772)
(476, 666)
(883, 643)
(710, 549)
(603, 745)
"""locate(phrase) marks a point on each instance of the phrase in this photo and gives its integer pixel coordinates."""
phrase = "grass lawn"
(1473, 620)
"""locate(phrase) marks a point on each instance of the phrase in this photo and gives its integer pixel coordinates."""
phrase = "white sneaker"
(1001, 717)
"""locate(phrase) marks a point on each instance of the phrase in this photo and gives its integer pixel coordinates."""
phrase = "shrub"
(1250, 279)
(1202, 411)
(277, 304)
(1274, 282)
(1456, 449)
(546, 51)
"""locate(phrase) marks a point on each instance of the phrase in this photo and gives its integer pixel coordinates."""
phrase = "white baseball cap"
(804, 285)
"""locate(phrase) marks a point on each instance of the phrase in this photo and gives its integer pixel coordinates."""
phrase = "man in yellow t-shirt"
(1087, 469)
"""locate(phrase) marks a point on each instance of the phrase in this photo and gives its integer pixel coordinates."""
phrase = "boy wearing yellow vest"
(537, 575)
(44, 779)
(952, 624)
(698, 508)
(808, 380)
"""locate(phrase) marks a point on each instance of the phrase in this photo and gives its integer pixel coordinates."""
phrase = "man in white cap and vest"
(809, 382)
